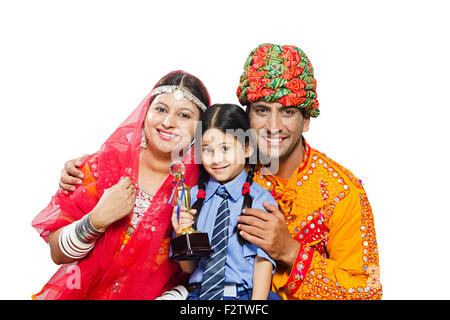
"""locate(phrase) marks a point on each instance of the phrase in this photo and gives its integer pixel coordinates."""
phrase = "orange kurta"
(327, 211)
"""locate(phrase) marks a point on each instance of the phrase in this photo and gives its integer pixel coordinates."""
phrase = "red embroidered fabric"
(136, 271)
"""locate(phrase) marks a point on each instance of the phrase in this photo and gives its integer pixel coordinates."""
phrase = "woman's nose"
(169, 121)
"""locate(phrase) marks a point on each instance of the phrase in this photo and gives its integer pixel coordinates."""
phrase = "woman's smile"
(166, 135)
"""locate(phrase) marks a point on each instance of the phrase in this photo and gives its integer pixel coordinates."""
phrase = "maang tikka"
(179, 92)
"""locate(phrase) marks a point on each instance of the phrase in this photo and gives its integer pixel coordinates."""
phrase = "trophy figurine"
(190, 244)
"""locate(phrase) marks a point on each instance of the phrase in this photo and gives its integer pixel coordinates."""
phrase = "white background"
(71, 71)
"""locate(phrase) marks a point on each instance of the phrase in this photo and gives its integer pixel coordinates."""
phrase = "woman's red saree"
(141, 270)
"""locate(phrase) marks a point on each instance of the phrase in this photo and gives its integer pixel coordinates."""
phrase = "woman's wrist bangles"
(85, 231)
(78, 238)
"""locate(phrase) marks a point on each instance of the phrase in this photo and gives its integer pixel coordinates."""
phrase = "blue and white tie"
(214, 271)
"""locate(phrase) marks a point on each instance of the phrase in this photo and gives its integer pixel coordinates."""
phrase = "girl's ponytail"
(248, 200)
(201, 183)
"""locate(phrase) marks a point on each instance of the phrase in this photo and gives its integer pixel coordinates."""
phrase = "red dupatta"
(136, 271)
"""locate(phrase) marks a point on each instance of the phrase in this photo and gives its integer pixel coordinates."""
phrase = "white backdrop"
(70, 72)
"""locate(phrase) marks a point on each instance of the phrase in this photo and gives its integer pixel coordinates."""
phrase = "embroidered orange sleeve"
(348, 269)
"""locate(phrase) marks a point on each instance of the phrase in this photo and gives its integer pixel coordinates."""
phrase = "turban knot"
(283, 74)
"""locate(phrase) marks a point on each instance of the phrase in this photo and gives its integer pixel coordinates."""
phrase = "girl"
(237, 269)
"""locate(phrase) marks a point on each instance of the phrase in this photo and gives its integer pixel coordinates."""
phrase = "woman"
(112, 234)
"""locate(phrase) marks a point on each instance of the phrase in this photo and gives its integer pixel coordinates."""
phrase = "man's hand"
(70, 175)
(268, 231)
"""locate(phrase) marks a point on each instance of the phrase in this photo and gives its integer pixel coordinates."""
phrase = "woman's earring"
(143, 140)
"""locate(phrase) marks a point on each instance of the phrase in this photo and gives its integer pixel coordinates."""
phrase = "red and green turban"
(283, 74)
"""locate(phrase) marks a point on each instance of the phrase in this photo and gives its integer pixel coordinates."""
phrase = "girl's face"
(170, 123)
(223, 156)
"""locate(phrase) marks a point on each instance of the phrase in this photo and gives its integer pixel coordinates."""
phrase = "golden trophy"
(190, 244)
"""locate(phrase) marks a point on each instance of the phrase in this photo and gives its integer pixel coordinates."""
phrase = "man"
(322, 233)
(323, 236)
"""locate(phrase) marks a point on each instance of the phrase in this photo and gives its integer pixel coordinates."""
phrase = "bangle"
(90, 227)
(70, 244)
(66, 238)
(85, 231)
(74, 240)
(78, 238)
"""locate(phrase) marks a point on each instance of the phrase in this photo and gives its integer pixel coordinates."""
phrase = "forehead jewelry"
(179, 92)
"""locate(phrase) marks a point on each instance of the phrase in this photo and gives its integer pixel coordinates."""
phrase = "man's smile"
(274, 140)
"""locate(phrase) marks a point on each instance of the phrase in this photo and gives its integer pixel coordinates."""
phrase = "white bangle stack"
(177, 293)
(78, 238)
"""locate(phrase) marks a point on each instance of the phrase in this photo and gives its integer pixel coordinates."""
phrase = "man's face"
(278, 128)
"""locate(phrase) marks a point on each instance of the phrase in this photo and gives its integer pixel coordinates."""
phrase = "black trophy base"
(190, 246)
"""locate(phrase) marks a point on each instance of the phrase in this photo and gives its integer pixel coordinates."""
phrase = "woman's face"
(170, 124)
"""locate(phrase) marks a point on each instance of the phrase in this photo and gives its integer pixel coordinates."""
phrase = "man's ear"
(306, 122)
(249, 149)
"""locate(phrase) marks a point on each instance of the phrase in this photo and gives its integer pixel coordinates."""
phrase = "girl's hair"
(190, 82)
(231, 118)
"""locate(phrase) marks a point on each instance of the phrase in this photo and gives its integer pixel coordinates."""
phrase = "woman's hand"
(115, 203)
(186, 219)
(70, 175)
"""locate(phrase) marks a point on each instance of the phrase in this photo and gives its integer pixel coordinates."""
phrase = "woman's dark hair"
(228, 118)
(190, 82)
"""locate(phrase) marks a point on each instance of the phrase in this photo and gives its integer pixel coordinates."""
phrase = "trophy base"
(190, 246)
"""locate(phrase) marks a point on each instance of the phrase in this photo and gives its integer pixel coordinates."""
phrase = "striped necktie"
(214, 271)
